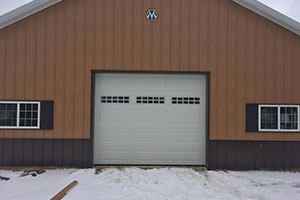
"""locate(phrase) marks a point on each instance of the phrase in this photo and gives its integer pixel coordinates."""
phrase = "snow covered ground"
(155, 184)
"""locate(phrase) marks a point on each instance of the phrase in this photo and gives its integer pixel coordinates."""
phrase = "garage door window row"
(114, 99)
(150, 100)
(185, 100)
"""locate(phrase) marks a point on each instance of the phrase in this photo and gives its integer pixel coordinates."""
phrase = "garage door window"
(150, 100)
(114, 99)
(278, 118)
(185, 100)
(19, 115)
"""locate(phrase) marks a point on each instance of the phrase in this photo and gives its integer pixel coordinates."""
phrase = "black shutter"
(47, 111)
(251, 117)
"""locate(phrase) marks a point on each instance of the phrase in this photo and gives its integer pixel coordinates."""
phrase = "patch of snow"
(155, 184)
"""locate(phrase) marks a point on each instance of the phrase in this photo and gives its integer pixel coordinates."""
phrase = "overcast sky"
(290, 8)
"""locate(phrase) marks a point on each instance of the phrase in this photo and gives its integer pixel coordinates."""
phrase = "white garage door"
(150, 119)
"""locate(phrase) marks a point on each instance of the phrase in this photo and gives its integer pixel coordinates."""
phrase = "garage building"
(163, 82)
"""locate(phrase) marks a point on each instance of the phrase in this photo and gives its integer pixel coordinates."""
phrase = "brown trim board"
(251, 155)
(234, 155)
(46, 152)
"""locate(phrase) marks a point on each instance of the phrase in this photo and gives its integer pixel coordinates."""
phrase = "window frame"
(278, 118)
(18, 115)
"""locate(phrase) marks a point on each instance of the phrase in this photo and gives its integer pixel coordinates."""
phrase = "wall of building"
(50, 55)
(46, 152)
(253, 155)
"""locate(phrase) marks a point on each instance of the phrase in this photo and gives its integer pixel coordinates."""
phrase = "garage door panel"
(150, 136)
(149, 109)
(116, 117)
(185, 127)
(182, 146)
(116, 146)
(190, 118)
(144, 132)
(113, 112)
(150, 83)
(152, 118)
(185, 156)
(151, 146)
(185, 137)
(183, 84)
(132, 146)
(115, 155)
(114, 107)
(115, 82)
(112, 126)
(187, 112)
(150, 155)
(152, 127)
(114, 162)
(185, 109)
(148, 162)
(113, 136)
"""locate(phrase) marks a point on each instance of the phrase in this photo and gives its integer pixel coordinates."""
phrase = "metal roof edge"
(271, 14)
(25, 11)
(253, 5)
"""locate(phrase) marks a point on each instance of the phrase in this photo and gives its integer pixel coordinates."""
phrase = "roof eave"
(254, 5)
(271, 14)
(25, 11)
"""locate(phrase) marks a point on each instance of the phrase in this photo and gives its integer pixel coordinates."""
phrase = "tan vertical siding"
(89, 61)
(241, 67)
(60, 72)
(50, 56)
(20, 65)
(79, 70)
(213, 29)
(10, 75)
(70, 74)
(3, 41)
(194, 34)
(50, 64)
(157, 39)
(231, 66)
(166, 34)
(222, 65)
(40, 84)
(128, 35)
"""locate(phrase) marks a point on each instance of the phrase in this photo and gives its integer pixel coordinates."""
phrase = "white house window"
(8, 114)
(289, 118)
(19, 115)
(278, 118)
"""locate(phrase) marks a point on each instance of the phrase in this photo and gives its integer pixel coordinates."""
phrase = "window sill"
(297, 131)
(20, 128)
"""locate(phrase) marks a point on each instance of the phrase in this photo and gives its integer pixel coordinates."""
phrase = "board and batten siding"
(50, 55)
